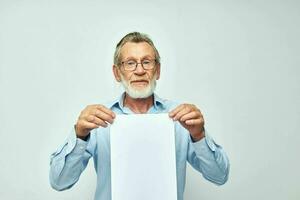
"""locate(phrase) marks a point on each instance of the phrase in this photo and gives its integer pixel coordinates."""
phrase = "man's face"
(139, 83)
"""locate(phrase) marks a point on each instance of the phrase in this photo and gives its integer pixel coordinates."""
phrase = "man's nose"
(139, 69)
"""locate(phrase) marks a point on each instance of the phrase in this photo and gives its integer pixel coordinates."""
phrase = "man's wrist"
(84, 138)
(199, 136)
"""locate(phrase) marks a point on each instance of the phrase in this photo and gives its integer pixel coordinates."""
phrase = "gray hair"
(135, 37)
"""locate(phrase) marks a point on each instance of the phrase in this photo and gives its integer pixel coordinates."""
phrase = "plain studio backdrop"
(237, 60)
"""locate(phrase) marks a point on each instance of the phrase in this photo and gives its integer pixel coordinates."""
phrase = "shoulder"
(169, 105)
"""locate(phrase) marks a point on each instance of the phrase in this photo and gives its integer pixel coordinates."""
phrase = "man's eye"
(130, 63)
(146, 62)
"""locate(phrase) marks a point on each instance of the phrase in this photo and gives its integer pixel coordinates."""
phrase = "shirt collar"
(158, 102)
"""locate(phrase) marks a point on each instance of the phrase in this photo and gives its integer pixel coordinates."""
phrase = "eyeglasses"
(131, 65)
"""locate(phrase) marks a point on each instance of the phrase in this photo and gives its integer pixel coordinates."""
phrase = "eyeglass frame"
(137, 63)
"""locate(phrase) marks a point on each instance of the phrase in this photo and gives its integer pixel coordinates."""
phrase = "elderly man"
(137, 67)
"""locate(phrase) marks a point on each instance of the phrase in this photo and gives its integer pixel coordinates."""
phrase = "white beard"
(139, 93)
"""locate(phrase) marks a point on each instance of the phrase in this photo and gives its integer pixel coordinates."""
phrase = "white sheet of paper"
(143, 162)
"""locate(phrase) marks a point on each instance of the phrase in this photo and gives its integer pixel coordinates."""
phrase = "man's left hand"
(191, 118)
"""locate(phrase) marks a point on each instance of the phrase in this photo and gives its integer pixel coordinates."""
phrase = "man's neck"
(138, 106)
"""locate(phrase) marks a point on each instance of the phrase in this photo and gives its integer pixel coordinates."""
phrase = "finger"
(182, 112)
(96, 120)
(87, 125)
(103, 116)
(194, 121)
(106, 110)
(191, 115)
(176, 110)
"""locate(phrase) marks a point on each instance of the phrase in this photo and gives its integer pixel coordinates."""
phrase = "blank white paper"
(143, 162)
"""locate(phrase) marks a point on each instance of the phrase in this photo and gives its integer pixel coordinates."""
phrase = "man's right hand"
(92, 117)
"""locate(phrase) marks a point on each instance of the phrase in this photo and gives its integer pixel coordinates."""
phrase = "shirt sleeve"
(68, 162)
(210, 159)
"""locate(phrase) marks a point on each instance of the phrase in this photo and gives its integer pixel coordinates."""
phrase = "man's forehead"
(141, 49)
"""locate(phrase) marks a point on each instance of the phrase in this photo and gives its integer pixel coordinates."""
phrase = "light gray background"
(237, 60)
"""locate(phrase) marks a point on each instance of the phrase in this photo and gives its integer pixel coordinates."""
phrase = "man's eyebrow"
(142, 58)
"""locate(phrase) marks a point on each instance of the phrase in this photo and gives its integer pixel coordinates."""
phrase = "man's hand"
(92, 117)
(190, 118)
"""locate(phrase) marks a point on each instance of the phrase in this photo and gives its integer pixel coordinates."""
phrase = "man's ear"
(158, 71)
(116, 71)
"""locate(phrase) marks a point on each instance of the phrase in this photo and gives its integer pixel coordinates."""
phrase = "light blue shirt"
(68, 162)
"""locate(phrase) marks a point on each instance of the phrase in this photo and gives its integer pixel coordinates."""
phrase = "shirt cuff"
(204, 145)
(80, 146)
(72, 144)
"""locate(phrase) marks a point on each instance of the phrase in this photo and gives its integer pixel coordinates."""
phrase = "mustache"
(139, 78)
